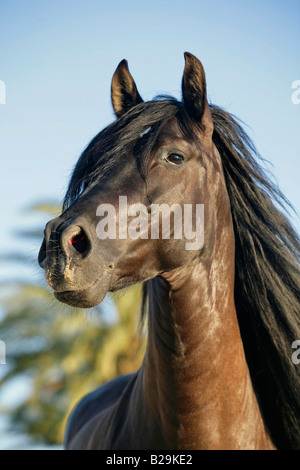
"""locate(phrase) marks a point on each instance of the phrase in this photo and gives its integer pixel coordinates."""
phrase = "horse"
(217, 371)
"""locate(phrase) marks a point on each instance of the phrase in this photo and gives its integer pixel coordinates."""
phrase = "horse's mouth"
(85, 298)
(76, 299)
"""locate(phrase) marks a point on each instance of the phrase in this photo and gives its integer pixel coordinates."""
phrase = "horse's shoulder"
(93, 403)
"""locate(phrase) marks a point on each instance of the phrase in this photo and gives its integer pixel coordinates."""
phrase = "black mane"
(267, 281)
(267, 273)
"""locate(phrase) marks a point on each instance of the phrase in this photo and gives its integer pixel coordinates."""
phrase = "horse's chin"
(85, 298)
(76, 299)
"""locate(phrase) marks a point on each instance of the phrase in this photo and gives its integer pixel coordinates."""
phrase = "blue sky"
(57, 59)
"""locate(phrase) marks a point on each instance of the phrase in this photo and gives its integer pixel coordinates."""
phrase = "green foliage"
(66, 352)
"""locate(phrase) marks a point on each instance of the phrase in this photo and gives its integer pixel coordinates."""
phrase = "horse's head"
(110, 234)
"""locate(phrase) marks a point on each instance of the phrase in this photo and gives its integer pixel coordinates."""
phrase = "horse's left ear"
(194, 93)
(124, 93)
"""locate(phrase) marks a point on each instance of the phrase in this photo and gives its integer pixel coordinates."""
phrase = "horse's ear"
(194, 93)
(124, 93)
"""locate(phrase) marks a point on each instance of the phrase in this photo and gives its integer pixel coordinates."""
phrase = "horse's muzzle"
(66, 255)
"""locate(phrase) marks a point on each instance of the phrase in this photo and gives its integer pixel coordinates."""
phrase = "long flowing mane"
(267, 249)
(267, 280)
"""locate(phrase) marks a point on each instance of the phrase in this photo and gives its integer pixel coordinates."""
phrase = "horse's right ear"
(124, 93)
(194, 93)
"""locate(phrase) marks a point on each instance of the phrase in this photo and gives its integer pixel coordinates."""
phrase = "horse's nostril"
(79, 241)
(76, 239)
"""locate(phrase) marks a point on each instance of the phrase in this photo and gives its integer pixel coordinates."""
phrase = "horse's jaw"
(88, 297)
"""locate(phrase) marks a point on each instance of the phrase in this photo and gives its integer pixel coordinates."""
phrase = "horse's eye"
(175, 158)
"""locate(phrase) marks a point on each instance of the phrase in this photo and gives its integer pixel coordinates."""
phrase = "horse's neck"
(196, 382)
